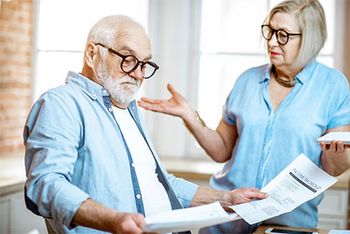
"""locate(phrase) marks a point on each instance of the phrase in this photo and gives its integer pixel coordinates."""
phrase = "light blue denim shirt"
(269, 140)
(75, 150)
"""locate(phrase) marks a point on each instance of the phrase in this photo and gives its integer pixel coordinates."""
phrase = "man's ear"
(90, 55)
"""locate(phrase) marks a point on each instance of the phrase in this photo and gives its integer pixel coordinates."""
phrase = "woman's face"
(283, 56)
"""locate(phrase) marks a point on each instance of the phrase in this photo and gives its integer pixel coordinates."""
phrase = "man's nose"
(137, 73)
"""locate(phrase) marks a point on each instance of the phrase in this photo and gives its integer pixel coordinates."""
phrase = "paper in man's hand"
(298, 183)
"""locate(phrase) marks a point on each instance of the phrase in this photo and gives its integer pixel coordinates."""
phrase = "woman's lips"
(274, 53)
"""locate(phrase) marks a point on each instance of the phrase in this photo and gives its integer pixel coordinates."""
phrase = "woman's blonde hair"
(312, 22)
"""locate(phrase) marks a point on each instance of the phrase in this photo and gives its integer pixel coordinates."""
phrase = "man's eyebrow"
(132, 51)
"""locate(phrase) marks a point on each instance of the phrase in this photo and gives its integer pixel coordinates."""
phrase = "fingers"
(152, 107)
(243, 195)
(334, 147)
(149, 100)
(171, 89)
(254, 193)
(140, 220)
(132, 223)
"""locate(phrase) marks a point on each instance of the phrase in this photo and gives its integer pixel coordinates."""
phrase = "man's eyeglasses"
(130, 63)
(281, 35)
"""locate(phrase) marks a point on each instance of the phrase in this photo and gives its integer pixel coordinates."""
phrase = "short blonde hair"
(312, 22)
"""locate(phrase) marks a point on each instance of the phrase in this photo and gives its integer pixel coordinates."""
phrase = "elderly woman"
(276, 111)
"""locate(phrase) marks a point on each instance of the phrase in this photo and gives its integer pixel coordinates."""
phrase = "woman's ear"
(90, 55)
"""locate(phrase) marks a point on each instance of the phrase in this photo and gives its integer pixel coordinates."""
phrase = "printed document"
(299, 182)
(189, 219)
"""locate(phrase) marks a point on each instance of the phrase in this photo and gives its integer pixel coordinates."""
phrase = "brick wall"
(16, 30)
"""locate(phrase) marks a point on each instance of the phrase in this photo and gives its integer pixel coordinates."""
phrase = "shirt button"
(110, 109)
(132, 164)
(138, 196)
(104, 91)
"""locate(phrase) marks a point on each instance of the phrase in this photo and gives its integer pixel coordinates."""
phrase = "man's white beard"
(122, 93)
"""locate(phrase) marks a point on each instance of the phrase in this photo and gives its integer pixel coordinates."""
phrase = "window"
(62, 29)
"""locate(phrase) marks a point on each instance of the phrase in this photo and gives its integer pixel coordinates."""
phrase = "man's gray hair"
(107, 30)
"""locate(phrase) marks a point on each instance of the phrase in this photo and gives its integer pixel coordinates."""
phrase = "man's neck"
(118, 105)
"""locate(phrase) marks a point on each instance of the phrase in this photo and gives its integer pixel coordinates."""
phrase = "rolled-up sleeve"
(51, 152)
(340, 106)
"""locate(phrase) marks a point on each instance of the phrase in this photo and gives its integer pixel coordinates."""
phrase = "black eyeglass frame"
(273, 31)
(152, 64)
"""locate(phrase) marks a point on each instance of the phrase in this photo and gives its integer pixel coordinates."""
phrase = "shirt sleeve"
(184, 189)
(340, 115)
(52, 137)
(226, 115)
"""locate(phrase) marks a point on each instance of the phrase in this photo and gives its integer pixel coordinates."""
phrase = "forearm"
(210, 140)
(94, 215)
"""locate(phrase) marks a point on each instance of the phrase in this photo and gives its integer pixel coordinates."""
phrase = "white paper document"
(299, 182)
(335, 136)
(192, 218)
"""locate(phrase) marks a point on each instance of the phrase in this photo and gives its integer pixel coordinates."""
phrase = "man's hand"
(128, 223)
(242, 195)
(206, 195)
(94, 215)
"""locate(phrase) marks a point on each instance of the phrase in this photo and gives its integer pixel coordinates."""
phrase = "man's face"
(122, 86)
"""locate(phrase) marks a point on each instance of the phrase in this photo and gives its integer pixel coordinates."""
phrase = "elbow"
(220, 156)
(30, 204)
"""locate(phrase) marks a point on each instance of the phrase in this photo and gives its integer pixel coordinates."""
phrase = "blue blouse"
(269, 140)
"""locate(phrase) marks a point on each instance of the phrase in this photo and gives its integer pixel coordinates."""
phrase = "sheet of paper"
(299, 182)
(192, 218)
(335, 136)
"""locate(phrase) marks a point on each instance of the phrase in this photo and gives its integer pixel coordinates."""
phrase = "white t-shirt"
(155, 198)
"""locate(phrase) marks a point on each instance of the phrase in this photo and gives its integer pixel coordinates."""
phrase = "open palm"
(176, 105)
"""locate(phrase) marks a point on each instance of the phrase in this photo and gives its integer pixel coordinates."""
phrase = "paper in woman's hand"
(335, 136)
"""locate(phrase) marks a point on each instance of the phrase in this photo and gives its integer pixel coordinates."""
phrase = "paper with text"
(299, 182)
(192, 218)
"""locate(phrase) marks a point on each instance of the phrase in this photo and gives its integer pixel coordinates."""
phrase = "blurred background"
(201, 47)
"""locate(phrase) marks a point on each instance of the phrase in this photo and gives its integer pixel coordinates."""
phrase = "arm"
(218, 143)
(94, 215)
(335, 157)
(206, 195)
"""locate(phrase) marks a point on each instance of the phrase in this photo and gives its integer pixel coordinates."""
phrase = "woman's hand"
(177, 105)
(335, 157)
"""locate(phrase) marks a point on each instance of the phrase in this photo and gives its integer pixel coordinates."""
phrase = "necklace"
(284, 82)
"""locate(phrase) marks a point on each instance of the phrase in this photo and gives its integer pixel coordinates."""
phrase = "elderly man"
(90, 164)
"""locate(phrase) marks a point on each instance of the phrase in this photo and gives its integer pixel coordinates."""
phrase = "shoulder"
(253, 71)
(331, 75)
(253, 75)
(66, 94)
(59, 103)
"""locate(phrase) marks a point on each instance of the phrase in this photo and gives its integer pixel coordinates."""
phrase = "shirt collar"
(91, 88)
(302, 77)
